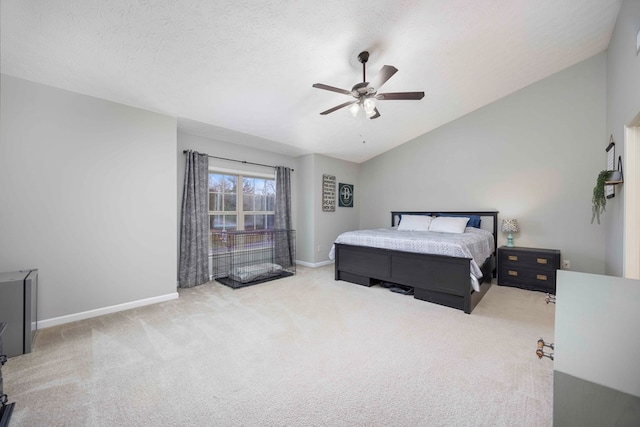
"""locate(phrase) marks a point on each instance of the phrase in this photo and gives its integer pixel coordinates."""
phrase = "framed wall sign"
(345, 195)
(328, 193)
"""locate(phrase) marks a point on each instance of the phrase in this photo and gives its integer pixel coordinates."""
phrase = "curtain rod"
(239, 161)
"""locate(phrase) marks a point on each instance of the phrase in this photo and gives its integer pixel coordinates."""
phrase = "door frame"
(631, 191)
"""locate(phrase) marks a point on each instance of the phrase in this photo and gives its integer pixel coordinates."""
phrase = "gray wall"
(328, 225)
(322, 228)
(306, 219)
(623, 104)
(533, 155)
(87, 195)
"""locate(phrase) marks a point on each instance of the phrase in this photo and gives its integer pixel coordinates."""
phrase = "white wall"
(623, 104)
(87, 196)
(533, 155)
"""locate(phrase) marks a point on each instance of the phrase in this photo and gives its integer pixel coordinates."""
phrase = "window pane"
(230, 222)
(260, 202)
(215, 222)
(215, 201)
(222, 222)
(247, 202)
(215, 182)
(258, 197)
(249, 222)
(229, 202)
(259, 186)
(256, 222)
(260, 222)
(271, 203)
(230, 183)
(248, 185)
(271, 220)
(270, 187)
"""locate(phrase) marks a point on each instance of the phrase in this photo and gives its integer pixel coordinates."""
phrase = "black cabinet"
(18, 308)
(6, 408)
(528, 268)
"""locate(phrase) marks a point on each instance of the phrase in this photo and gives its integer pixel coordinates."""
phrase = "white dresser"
(597, 351)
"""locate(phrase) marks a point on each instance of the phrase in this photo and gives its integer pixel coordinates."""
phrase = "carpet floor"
(299, 351)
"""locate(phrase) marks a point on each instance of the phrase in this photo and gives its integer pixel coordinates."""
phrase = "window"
(239, 202)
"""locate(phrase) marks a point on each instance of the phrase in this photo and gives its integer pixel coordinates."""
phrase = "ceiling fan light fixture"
(354, 109)
(369, 104)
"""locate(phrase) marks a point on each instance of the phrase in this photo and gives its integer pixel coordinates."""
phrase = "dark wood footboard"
(439, 279)
(435, 278)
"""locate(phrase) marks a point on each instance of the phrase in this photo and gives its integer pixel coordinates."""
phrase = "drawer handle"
(513, 257)
(540, 350)
(542, 260)
(541, 277)
(513, 273)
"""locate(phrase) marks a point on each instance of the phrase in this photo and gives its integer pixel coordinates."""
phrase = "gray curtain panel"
(284, 243)
(194, 227)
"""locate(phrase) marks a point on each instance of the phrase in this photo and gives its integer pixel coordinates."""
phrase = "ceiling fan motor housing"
(362, 89)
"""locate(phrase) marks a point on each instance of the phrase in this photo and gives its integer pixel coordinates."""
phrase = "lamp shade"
(510, 226)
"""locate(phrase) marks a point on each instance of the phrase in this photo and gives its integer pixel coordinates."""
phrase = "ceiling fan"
(366, 93)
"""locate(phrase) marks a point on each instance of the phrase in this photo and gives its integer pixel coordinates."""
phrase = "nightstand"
(528, 268)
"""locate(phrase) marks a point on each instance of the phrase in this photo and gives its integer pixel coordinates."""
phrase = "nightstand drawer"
(528, 279)
(537, 260)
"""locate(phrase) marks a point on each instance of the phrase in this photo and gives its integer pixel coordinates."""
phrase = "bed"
(437, 278)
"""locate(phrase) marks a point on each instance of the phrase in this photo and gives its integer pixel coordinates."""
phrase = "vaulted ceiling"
(242, 70)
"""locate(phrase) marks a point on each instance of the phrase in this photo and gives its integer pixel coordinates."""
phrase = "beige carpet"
(299, 351)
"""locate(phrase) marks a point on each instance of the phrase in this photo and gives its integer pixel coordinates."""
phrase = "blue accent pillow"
(474, 220)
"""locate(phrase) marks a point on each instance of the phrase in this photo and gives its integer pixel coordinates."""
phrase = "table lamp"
(510, 226)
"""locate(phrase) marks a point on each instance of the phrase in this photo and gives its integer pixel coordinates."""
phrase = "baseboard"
(317, 264)
(55, 321)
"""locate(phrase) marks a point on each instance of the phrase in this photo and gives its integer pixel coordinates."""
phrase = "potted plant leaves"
(599, 200)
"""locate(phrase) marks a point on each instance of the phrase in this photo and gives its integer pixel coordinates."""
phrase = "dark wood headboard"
(493, 215)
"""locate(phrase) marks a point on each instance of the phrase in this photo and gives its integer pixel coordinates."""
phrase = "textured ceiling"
(242, 70)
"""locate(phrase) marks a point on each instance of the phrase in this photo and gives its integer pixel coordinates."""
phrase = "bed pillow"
(474, 220)
(448, 224)
(414, 223)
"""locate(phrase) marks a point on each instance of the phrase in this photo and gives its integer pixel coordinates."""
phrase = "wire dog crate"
(244, 258)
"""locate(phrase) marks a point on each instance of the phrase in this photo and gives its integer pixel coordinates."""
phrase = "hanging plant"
(599, 199)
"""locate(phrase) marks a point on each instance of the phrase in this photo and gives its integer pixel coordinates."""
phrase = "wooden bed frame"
(439, 279)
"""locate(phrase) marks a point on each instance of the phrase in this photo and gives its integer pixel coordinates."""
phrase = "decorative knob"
(540, 350)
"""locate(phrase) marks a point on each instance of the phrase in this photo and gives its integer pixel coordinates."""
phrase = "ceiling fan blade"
(331, 110)
(331, 88)
(383, 75)
(399, 95)
(376, 114)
